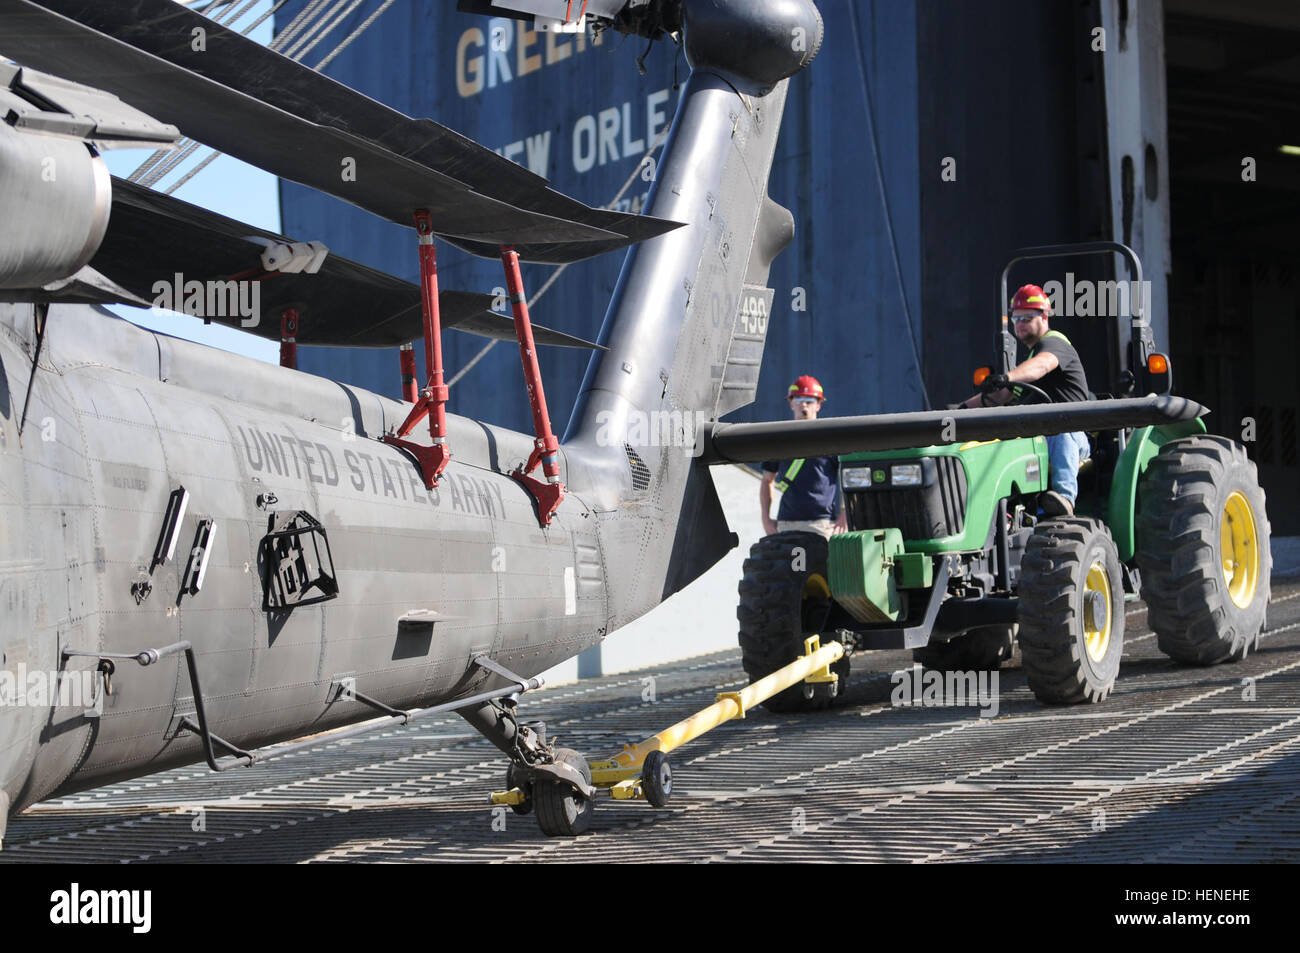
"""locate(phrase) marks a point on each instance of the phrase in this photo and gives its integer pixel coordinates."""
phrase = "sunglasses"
(1021, 319)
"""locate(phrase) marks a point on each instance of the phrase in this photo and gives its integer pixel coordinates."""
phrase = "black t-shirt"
(1066, 382)
(811, 493)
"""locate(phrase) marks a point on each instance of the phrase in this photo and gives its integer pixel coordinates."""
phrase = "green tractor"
(946, 553)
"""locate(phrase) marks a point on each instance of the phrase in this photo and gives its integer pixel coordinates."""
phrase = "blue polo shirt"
(812, 490)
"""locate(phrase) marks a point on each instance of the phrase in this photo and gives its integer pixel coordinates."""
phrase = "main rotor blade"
(791, 439)
(501, 327)
(328, 159)
(155, 238)
(164, 29)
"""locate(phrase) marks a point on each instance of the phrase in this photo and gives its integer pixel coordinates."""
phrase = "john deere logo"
(877, 476)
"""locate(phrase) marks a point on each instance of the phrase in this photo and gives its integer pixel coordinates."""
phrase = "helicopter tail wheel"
(561, 810)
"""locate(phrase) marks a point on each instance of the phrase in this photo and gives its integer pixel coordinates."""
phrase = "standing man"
(1054, 367)
(809, 487)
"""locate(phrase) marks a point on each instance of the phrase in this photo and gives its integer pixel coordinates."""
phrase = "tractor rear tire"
(1203, 549)
(982, 649)
(784, 595)
(1071, 611)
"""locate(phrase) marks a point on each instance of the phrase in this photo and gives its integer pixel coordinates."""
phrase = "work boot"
(1053, 504)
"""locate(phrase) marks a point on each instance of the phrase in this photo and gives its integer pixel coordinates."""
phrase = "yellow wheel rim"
(1097, 640)
(816, 587)
(1239, 549)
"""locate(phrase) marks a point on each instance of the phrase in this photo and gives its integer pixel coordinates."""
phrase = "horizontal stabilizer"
(791, 439)
(258, 105)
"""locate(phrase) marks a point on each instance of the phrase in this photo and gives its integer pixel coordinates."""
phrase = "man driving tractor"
(1053, 366)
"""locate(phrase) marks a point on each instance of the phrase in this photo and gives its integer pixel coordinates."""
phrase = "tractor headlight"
(905, 474)
(856, 478)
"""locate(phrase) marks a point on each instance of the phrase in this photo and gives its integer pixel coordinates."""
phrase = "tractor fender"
(1142, 446)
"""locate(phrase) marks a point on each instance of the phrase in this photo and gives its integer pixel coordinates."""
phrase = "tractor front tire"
(1071, 611)
(784, 595)
(1203, 549)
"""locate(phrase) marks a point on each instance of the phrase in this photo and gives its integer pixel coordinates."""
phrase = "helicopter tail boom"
(686, 327)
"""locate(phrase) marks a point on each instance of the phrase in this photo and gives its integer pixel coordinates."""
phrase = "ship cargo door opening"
(1233, 74)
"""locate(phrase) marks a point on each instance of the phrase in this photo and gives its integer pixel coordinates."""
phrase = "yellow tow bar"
(641, 771)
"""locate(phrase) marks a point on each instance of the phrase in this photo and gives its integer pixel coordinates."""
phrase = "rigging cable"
(328, 30)
(279, 42)
(143, 173)
(352, 36)
(274, 45)
(321, 20)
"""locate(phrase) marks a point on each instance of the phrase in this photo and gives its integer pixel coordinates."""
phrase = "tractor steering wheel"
(1038, 392)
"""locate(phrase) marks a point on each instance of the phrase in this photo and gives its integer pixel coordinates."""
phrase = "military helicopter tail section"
(172, 511)
(686, 328)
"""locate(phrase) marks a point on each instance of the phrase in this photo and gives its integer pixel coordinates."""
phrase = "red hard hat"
(1031, 297)
(806, 386)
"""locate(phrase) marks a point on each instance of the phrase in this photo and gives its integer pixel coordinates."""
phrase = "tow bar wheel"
(656, 779)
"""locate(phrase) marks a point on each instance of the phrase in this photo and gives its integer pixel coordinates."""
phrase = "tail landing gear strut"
(554, 781)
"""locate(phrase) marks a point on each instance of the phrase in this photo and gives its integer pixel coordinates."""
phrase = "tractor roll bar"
(1141, 344)
(1069, 251)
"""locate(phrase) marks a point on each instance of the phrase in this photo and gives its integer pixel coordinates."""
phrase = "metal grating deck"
(1176, 766)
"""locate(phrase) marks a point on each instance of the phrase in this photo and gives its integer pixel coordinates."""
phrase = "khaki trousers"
(824, 527)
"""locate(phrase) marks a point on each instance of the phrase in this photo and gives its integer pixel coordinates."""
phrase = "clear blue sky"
(228, 186)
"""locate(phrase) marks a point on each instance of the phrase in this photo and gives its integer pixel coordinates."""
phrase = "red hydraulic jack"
(289, 338)
(433, 400)
(406, 354)
(546, 449)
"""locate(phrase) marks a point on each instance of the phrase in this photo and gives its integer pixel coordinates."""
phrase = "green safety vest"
(1015, 389)
(1051, 334)
(791, 472)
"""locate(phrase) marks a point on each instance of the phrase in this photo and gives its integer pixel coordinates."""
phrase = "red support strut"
(289, 338)
(407, 356)
(546, 449)
(433, 401)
